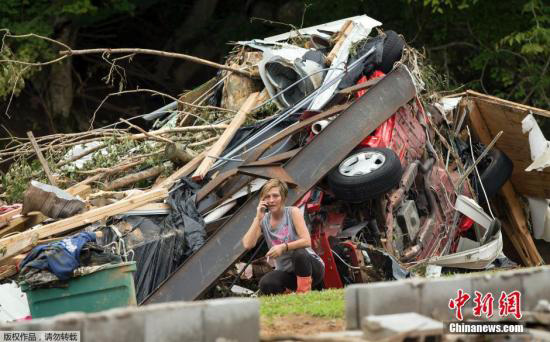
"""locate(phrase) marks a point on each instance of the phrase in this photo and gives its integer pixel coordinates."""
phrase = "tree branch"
(71, 52)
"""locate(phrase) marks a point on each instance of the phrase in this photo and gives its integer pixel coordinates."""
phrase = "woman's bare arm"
(301, 230)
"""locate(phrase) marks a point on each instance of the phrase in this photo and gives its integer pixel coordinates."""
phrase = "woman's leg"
(277, 282)
(309, 271)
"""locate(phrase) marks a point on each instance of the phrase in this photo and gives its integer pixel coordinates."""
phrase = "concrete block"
(232, 319)
(388, 298)
(409, 324)
(431, 297)
(126, 324)
(175, 322)
(535, 286)
(495, 283)
(352, 308)
(436, 293)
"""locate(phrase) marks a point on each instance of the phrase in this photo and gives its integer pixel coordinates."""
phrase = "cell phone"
(266, 210)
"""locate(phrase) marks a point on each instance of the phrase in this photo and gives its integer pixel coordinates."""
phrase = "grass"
(326, 304)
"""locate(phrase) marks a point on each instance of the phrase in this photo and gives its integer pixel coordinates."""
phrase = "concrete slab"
(232, 319)
(174, 322)
(436, 294)
(409, 324)
(431, 297)
(388, 298)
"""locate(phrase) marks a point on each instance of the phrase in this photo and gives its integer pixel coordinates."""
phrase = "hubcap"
(361, 163)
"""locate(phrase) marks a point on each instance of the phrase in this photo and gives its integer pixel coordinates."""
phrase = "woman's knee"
(300, 255)
(272, 283)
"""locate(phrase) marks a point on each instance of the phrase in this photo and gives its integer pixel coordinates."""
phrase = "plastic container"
(107, 288)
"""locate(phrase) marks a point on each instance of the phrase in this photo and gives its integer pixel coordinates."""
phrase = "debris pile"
(393, 183)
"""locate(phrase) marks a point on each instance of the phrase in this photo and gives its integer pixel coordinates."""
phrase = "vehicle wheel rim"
(361, 163)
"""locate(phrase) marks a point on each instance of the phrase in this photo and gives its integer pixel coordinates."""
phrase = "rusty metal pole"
(307, 168)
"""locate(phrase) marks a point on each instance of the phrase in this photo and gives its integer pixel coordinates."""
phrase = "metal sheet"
(307, 168)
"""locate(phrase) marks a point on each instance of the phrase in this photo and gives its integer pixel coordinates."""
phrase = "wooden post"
(218, 147)
(519, 235)
(41, 158)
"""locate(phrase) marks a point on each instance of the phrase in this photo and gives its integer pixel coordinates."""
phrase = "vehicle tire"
(364, 174)
(497, 171)
(393, 49)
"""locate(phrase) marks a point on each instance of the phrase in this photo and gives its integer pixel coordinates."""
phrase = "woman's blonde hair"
(274, 183)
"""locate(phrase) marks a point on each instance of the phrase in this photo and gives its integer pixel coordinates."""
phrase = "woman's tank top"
(284, 232)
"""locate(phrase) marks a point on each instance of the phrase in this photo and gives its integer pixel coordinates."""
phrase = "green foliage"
(327, 303)
(18, 178)
(42, 17)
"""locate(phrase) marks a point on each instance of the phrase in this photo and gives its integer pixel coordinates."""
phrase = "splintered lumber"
(7, 216)
(15, 244)
(135, 177)
(518, 232)
(225, 138)
(41, 158)
(346, 29)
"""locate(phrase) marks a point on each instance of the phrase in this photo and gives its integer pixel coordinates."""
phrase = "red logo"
(458, 303)
(484, 304)
(508, 304)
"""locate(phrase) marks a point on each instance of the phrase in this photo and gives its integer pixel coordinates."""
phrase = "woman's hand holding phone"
(261, 210)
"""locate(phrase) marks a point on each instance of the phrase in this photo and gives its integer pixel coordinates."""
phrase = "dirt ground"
(299, 325)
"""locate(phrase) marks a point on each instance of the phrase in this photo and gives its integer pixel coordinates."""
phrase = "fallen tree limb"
(134, 178)
(81, 155)
(71, 52)
(148, 134)
(12, 245)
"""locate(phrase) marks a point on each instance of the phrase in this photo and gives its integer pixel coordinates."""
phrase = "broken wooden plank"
(344, 32)
(41, 158)
(14, 244)
(225, 138)
(7, 216)
(522, 241)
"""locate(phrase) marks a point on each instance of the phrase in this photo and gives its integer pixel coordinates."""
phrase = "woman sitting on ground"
(297, 266)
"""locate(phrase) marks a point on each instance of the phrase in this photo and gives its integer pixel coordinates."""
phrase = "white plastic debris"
(13, 303)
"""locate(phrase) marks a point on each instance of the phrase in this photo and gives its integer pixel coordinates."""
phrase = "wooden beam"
(226, 137)
(521, 237)
(13, 245)
(41, 158)
(344, 32)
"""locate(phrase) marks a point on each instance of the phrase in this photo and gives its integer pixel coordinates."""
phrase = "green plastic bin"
(110, 287)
